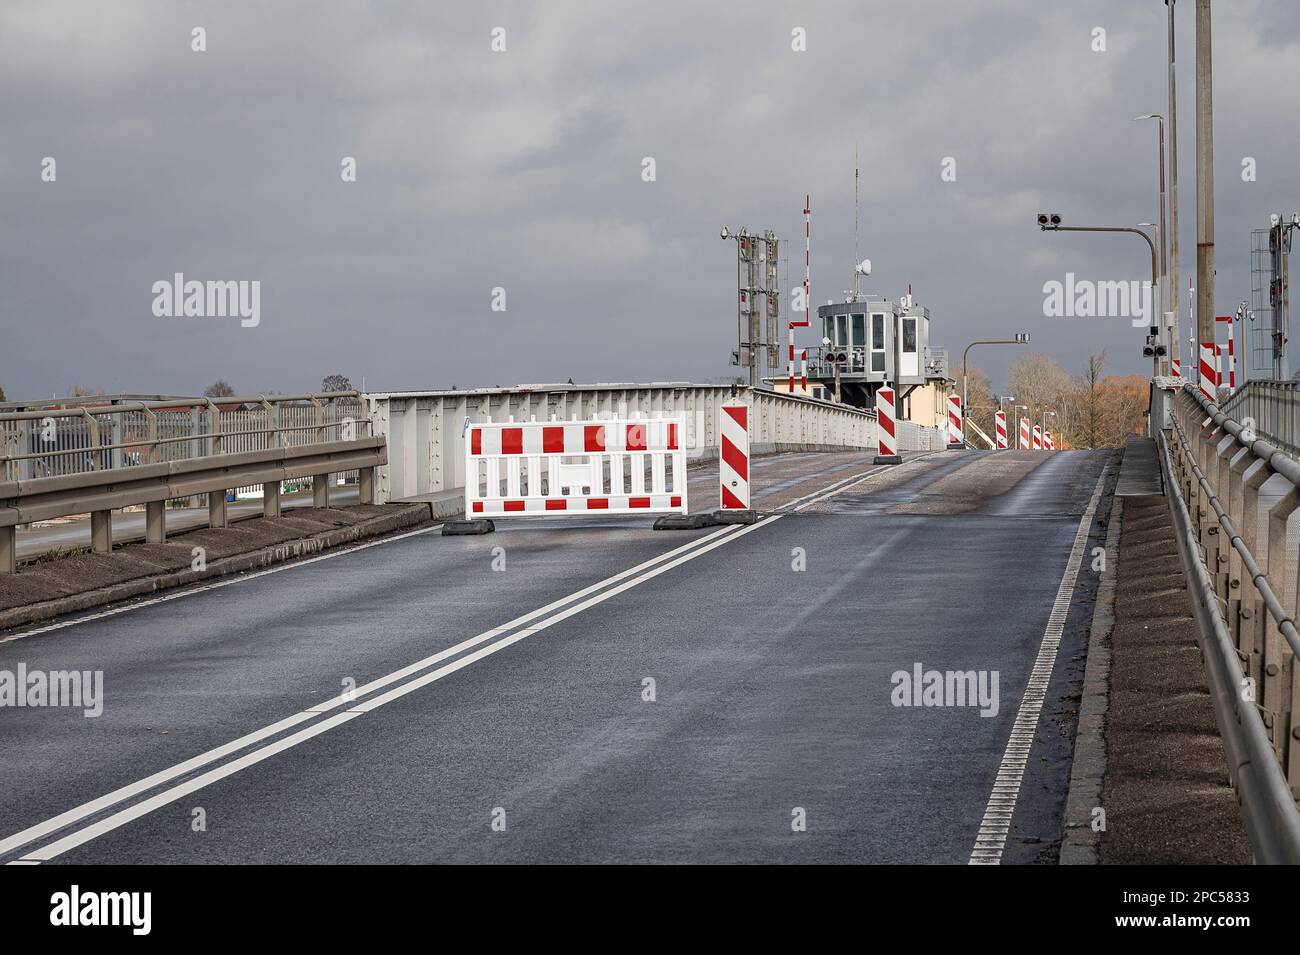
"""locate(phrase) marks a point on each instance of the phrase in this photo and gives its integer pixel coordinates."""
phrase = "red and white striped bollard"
(886, 428)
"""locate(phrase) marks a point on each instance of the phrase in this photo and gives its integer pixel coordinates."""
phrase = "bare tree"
(219, 389)
(1090, 402)
(1042, 385)
(981, 403)
(335, 383)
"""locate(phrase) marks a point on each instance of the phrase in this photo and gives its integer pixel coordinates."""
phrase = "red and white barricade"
(1049, 443)
(955, 439)
(733, 455)
(1209, 371)
(1177, 367)
(1038, 437)
(1000, 429)
(1024, 434)
(620, 466)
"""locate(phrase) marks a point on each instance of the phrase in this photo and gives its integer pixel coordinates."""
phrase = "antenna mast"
(856, 259)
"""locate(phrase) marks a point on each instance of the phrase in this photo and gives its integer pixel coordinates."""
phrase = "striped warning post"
(886, 428)
(1049, 443)
(1024, 434)
(1038, 437)
(1209, 374)
(1000, 429)
(733, 466)
(955, 439)
(1177, 367)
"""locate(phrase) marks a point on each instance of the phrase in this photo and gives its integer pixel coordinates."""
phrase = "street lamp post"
(1176, 347)
(1022, 338)
(1052, 223)
(1047, 226)
(1165, 332)
(1054, 415)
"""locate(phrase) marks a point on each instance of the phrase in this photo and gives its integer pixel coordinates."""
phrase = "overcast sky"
(523, 170)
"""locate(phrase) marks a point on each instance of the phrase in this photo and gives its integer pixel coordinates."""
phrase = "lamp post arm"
(1155, 260)
(964, 354)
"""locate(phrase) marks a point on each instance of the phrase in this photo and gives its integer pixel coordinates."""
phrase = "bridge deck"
(773, 691)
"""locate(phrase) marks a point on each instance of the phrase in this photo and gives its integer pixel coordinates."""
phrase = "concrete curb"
(1081, 844)
(237, 563)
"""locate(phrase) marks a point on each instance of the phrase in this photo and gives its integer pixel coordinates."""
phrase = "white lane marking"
(991, 841)
(147, 806)
(41, 829)
(122, 817)
(215, 585)
(78, 813)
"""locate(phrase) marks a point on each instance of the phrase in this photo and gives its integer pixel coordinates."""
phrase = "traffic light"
(1045, 219)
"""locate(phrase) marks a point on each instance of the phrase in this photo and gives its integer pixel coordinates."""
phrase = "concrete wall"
(425, 429)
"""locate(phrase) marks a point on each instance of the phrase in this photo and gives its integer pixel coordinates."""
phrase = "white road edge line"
(124, 816)
(991, 840)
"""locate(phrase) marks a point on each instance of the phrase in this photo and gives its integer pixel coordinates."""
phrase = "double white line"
(348, 706)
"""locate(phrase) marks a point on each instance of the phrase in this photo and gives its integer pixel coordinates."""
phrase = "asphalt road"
(536, 742)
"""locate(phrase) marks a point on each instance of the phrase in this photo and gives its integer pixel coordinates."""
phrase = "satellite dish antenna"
(863, 267)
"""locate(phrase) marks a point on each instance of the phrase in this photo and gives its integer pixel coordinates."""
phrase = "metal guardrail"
(1274, 409)
(426, 438)
(1244, 591)
(45, 442)
(99, 459)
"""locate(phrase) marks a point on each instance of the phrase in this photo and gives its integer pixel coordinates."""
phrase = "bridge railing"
(57, 461)
(1234, 495)
(1274, 409)
(425, 429)
(78, 436)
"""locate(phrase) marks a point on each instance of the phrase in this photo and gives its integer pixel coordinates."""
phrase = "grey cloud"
(522, 170)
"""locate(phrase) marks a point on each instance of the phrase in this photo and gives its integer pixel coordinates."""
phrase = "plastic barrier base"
(682, 522)
(887, 459)
(734, 517)
(458, 528)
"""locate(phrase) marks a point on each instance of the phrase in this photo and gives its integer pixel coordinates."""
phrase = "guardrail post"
(155, 522)
(271, 499)
(1278, 689)
(101, 532)
(217, 508)
(320, 490)
(1241, 592)
(366, 485)
(8, 550)
(1255, 476)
